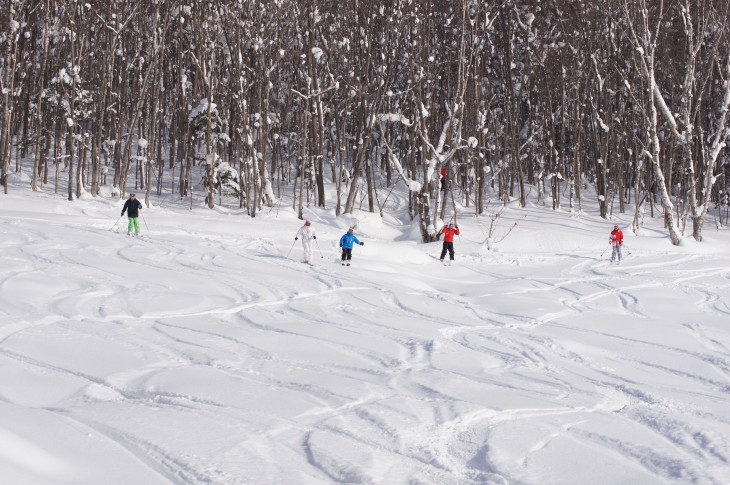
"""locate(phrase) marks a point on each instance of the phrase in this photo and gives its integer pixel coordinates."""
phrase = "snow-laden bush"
(227, 180)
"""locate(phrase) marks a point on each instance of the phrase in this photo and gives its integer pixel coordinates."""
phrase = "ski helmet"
(616, 227)
(351, 230)
(307, 223)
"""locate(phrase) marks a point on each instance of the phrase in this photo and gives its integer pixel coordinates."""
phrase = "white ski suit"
(306, 234)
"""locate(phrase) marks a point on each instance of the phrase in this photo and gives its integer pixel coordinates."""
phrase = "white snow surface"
(201, 353)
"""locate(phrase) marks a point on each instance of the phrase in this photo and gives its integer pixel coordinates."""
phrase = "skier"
(133, 206)
(307, 234)
(444, 176)
(346, 243)
(616, 240)
(449, 232)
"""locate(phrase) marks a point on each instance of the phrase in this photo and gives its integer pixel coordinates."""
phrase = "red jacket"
(449, 233)
(616, 237)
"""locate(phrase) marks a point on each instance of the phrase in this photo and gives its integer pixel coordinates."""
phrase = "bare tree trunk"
(39, 104)
(9, 64)
(718, 143)
(158, 40)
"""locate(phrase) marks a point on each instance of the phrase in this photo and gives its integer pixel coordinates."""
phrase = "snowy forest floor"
(201, 353)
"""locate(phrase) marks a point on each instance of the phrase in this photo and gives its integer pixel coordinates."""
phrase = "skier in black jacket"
(132, 206)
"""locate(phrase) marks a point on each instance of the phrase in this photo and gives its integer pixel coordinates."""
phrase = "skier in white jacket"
(307, 234)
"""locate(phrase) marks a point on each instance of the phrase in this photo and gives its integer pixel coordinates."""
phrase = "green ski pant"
(133, 225)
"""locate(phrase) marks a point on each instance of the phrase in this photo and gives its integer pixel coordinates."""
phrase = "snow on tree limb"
(395, 117)
(667, 113)
(413, 185)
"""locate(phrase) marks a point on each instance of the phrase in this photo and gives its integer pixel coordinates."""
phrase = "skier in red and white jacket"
(449, 232)
(616, 240)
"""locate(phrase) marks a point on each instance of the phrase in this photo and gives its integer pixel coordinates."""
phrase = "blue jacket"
(348, 240)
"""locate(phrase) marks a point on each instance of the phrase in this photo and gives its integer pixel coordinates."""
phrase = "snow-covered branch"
(667, 113)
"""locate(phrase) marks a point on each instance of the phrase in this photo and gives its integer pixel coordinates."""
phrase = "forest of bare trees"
(253, 100)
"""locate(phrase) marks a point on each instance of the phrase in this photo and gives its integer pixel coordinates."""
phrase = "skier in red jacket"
(449, 232)
(616, 240)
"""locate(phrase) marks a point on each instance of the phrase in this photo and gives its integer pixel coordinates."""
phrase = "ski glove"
(362, 244)
(120, 215)
(296, 238)
(315, 237)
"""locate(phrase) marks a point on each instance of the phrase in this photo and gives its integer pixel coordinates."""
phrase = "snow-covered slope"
(201, 353)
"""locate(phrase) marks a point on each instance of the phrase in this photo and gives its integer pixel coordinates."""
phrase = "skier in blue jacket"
(346, 243)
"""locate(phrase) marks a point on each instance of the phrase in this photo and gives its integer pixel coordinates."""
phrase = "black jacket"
(134, 206)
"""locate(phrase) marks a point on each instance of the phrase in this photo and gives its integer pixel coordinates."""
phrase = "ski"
(444, 262)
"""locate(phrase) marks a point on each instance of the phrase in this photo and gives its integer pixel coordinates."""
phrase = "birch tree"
(645, 28)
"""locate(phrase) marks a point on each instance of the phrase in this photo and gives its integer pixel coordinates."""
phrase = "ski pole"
(627, 250)
(609, 245)
(120, 218)
(292, 248)
(320, 251)
(145, 222)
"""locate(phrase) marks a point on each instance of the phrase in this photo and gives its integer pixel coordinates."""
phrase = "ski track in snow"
(212, 357)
